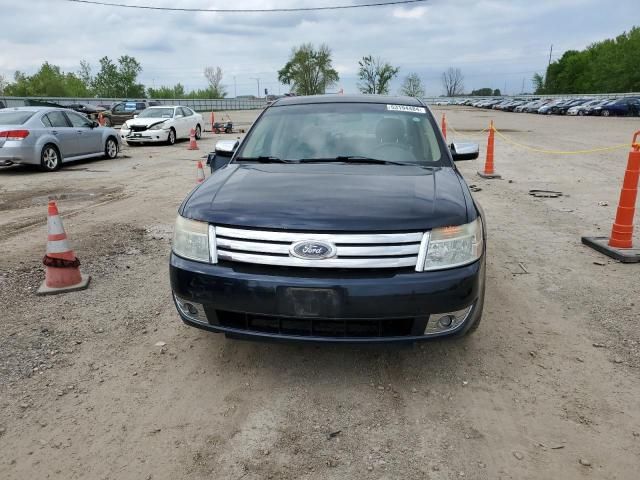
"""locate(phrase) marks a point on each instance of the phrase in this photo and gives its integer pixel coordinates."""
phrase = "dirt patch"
(19, 199)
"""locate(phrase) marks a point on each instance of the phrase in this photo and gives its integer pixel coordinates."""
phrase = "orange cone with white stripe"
(200, 173)
(192, 140)
(213, 121)
(61, 264)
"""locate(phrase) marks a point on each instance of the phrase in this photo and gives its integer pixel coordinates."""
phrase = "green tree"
(602, 67)
(496, 92)
(483, 92)
(309, 71)
(538, 83)
(177, 91)
(412, 86)
(48, 81)
(375, 75)
(118, 80)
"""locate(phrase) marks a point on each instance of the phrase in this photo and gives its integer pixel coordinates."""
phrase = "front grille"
(316, 327)
(353, 250)
(138, 128)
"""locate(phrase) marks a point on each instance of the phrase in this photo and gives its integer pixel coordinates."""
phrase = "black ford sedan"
(336, 219)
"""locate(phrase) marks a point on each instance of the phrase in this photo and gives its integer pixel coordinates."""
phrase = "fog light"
(444, 322)
(191, 310)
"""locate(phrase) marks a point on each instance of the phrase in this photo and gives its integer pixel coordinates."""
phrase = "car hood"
(146, 122)
(330, 197)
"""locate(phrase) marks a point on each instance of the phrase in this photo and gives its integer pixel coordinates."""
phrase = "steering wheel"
(391, 150)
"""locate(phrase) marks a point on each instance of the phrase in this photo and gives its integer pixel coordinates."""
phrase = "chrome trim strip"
(422, 255)
(213, 248)
(336, 238)
(326, 263)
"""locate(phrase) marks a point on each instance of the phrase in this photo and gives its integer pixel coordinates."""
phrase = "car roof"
(382, 99)
(34, 109)
(164, 106)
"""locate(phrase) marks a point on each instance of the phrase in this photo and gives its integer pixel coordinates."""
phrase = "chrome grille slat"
(337, 238)
(327, 263)
(354, 250)
(283, 248)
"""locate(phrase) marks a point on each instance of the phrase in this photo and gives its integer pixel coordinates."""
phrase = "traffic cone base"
(601, 244)
(81, 285)
(489, 175)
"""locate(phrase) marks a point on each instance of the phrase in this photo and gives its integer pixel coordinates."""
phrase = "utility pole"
(257, 80)
(235, 88)
(550, 53)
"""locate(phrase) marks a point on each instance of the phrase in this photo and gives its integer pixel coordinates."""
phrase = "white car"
(162, 124)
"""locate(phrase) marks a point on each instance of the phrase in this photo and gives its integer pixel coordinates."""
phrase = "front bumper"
(263, 302)
(146, 136)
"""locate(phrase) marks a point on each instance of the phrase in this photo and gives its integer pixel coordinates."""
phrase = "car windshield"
(156, 113)
(385, 132)
(14, 117)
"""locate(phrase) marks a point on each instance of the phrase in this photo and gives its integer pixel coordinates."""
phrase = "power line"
(251, 10)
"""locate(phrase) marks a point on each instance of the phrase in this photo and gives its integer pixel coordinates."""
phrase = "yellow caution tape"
(561, 152)
(475, 133)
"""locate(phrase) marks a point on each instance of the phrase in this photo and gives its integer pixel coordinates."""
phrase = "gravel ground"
(107, 383)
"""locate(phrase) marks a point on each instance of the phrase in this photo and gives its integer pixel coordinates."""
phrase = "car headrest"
(390, 130)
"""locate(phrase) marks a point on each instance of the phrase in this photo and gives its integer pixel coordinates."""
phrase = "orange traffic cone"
(488, 165)
(62, 266)
(213, 121)
(199, 173)
(444, 126)
(620, 243)
(192, 140)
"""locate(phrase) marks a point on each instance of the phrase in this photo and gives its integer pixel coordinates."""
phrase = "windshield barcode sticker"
(406, 108)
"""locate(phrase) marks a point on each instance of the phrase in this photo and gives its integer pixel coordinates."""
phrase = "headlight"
(191, 240)
(125, 126)
(451, 247)
(158, 126)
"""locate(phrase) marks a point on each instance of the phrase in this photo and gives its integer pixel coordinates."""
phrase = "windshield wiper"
(263, 159)
(352, 159)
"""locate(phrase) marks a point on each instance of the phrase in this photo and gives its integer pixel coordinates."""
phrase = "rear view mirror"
(222, 155)
(464, 151)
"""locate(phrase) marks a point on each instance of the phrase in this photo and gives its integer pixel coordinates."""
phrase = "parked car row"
(605, 107)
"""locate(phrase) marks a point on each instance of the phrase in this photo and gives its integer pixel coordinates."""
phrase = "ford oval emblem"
(313, 250)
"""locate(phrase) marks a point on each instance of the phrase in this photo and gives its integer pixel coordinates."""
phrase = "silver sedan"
(49, 137)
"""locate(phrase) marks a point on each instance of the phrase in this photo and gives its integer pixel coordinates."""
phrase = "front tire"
(198, 132)
(50, 159)
(606, 113)
(171, 138)
(110, 149)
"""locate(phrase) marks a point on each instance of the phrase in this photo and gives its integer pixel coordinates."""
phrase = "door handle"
(55, 132)
(79, 131)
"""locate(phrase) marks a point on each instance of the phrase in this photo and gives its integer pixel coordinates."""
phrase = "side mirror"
(95, 124)
(222, 155)
(464, 151)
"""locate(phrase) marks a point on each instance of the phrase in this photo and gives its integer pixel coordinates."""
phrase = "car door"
(59, 127)
(89, 139)
(188, 120)
(117, 114)
(180, 123)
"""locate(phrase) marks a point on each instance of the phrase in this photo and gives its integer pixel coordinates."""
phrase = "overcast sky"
(494, 42)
